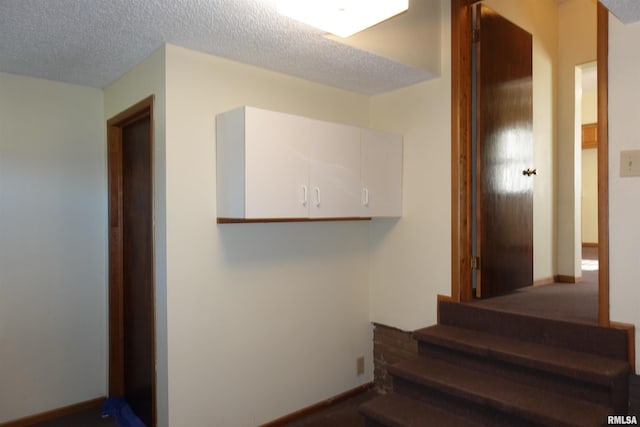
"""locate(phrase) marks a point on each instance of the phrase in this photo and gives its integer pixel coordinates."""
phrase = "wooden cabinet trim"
(590, 135)
(269, 220)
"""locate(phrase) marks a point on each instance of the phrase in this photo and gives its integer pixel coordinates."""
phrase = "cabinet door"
(276, 165)
(334, 170)
(381, 174)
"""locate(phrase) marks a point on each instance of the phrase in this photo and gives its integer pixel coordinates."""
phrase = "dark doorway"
(503, 189)
(131, 278)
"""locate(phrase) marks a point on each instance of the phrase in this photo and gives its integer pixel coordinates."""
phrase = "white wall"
(589, 173)
(272, 314)
(624, 193)
(411, 38)
(146, 79)
(589, 106)
(52, 246)
(577, 45)
(410, 258)
(590, 195)
(263, 319)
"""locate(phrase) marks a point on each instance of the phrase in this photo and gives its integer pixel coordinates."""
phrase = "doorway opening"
(131, 253)
(587, 123)
(462, 216)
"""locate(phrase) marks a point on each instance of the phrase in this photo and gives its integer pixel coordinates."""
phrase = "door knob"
(530, 172)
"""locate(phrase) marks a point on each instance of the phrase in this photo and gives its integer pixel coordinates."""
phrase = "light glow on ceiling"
(341, 17)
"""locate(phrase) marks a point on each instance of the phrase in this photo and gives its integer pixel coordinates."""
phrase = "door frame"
(140, 110)
(461, 191)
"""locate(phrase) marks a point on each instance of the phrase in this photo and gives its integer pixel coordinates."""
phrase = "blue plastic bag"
(119, 409)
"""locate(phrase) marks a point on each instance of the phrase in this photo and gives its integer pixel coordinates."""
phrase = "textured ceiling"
(627, 11)
(94, 42)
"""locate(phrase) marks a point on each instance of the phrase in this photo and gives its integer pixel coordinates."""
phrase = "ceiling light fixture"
(341, 17)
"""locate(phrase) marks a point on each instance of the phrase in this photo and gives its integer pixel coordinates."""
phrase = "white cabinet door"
(381, 174)
(277, 174)
(334, 170)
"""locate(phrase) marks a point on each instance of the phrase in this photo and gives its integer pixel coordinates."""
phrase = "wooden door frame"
(461, 192)
(142, 109)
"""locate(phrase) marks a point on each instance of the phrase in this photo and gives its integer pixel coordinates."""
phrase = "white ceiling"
(94, 42)
(627, 11)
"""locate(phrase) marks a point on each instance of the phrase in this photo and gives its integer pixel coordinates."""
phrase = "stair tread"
(537, 405)
(397, 410)
(589, 338)
(573, 364)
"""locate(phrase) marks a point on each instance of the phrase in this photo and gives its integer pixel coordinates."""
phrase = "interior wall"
(589, 173)
(577, 22)
(624, 193)
(408, 270)
(146, 79)
(410, 258)
(411, 38)
(263, 319)
(538, 18)
(52, 246)
(589, 106)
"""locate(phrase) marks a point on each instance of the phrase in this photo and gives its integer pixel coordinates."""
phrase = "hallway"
(560, 301)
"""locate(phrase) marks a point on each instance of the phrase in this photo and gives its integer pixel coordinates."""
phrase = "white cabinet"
(262, 165)
(276, 166)
(334, 170)
(381, 174)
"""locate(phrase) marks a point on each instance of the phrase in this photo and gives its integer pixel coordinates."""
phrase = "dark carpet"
(345, 414)
(87, 418)
(573, 302)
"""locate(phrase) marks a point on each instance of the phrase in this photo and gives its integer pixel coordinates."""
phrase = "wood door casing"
(504, 105)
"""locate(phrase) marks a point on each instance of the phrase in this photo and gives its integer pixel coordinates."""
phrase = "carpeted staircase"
(483, 367)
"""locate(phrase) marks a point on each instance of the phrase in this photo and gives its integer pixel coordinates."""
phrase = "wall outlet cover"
(360, 365)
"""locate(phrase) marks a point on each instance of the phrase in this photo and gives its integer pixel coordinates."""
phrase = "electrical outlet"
(630, 163)
(360, 365)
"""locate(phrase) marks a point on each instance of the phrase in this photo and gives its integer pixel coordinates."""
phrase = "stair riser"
(520, 371)
(463, 408)
(577, 337)
(595, 393)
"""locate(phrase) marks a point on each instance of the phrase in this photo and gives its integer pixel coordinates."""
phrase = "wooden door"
(131, 278)
(504, 191)
(138, 269)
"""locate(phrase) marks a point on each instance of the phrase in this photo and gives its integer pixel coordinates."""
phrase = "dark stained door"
(504, 192)
(137, 263)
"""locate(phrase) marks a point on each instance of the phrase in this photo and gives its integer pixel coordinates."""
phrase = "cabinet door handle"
(365, 197)
(317, 190)
(304, 195)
